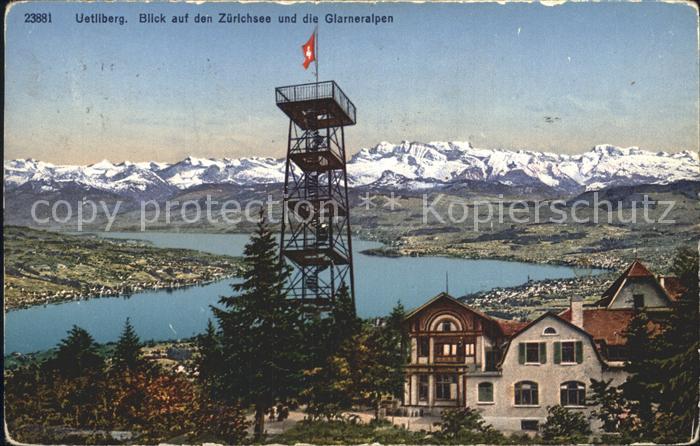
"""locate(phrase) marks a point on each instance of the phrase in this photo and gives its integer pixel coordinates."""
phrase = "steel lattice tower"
(316, 238)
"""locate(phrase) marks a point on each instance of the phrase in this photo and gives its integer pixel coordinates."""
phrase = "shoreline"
(389, 252)
(112, 293)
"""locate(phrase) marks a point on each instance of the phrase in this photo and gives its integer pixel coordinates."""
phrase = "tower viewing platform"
(316, 105)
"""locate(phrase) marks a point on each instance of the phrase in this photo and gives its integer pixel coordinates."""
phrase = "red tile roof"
(603, 324)
(636, 269)
(509, 328)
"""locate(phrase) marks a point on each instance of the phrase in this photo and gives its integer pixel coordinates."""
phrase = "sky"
(618, 73)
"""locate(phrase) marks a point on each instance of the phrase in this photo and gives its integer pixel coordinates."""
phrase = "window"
(444, 385)
(446, 349)
(568, 352)
(422, 387)
(446, 326)
(469, 349)
(423, 346)
(526, 393)
(492, 358)
(573, 393)
(549, 331)
(532, 352)
(638, 300)
(529, 425)
(485, 393)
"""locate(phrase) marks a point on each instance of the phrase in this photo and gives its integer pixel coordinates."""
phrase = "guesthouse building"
(512, 371)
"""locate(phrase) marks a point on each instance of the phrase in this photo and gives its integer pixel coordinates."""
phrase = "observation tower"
(316, 239)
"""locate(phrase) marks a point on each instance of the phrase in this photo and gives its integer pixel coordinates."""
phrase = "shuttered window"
(568, 352)
(532, 352)
(579, 352)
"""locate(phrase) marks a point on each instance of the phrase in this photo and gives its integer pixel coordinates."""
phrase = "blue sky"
(619, 73)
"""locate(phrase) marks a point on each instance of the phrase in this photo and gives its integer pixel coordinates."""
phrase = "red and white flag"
(309, 50)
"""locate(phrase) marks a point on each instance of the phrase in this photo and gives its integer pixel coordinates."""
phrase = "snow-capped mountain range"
(409, 165)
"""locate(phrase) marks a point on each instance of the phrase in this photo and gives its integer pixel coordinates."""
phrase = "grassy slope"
(43, 266)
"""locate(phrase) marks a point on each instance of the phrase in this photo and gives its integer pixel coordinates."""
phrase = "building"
(512, 371)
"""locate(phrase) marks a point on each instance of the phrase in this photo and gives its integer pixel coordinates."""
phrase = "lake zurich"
(181, 313)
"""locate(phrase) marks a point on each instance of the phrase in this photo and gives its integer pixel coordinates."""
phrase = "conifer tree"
(641, 388)
(263, 350)
(209, 359)
(396, 339)
(382, 357)
(127, 354)
(77, 355)
(679, 365)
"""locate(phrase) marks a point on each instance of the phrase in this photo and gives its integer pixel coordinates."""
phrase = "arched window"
(573, 393)
(446, 326)
(549, 331)
(485, 393)
(526, 393)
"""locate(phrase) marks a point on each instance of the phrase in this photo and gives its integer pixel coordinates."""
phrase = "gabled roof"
(444, 295)
(559, 318)
(635, 271)
(505, 326)
(543, 316)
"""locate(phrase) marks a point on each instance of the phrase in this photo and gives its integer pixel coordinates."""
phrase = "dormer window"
(549, 331)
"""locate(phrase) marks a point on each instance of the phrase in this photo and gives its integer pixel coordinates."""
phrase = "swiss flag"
(309, 50)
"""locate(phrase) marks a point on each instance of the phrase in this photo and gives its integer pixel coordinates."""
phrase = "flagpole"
(316, 52)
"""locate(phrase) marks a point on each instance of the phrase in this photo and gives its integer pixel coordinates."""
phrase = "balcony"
(316, 105)
(458, 359)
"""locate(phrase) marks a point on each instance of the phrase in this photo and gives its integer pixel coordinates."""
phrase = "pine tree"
(641, 388)
(127, 354)
(679, 364)
(396, 338)
(345, 323)
(263, 349)
(209, 359)
(77, 355)
(381, 358)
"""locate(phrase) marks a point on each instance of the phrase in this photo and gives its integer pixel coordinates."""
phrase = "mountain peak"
(104, 164)
(409, 164)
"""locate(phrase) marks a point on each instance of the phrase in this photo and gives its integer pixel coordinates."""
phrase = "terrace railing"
(314, 91)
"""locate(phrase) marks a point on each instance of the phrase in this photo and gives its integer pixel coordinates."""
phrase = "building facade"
(512, 371)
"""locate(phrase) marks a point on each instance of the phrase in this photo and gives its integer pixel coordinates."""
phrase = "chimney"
(577, 311)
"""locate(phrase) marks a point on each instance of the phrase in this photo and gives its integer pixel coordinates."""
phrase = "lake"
(181, 313)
